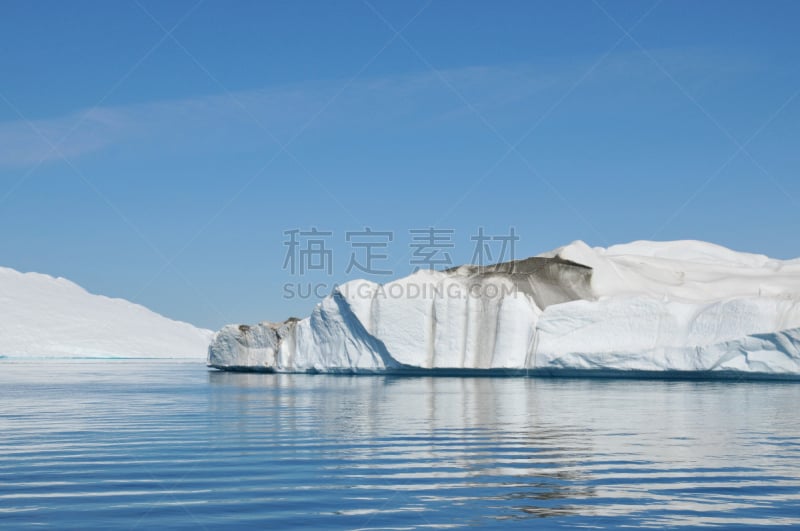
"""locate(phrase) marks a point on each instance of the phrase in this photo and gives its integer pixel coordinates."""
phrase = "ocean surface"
(135, 444)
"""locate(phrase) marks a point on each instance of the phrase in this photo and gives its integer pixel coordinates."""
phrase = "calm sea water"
(157, 445)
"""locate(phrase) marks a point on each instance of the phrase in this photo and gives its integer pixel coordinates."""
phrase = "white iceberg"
(46, 317)
(640, 308)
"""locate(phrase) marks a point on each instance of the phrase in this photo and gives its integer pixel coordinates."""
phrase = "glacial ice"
(46, 317)
(639, 308)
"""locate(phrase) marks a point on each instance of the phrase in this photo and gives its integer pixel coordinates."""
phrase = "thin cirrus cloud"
(29, 142)
(281, 113)
(268, 114)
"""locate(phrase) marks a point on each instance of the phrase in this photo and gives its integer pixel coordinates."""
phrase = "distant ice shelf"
(644, 308)
(46, 317)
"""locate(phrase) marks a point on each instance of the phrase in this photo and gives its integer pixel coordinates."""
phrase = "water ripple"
(96, 445)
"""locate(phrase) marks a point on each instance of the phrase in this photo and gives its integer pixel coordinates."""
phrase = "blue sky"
(158, 151)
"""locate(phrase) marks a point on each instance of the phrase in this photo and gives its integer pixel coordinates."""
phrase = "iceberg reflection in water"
(130, 444)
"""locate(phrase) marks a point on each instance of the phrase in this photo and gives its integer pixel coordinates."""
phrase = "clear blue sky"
(157, 151)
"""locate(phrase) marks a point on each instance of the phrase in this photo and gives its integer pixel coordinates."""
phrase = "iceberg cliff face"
(639, 307)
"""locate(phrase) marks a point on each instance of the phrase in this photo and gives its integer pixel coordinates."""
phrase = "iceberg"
(643, 308)
(46, 317)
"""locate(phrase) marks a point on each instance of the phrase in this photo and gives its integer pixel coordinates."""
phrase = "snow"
(643, 306)
(685, 270)
(46, 317)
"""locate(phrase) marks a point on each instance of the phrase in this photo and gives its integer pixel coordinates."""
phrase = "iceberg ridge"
(50, 318)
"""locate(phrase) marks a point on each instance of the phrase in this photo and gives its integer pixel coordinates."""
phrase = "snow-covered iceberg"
(45, 317)
(645, 307)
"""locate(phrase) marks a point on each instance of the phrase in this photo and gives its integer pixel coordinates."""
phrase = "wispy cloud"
(24, 143)
(371, 102)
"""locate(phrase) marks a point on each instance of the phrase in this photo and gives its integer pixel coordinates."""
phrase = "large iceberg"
(46, 317)
(683, 307)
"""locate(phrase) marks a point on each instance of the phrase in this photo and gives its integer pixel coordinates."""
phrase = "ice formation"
(47, 317)
(683, 306)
